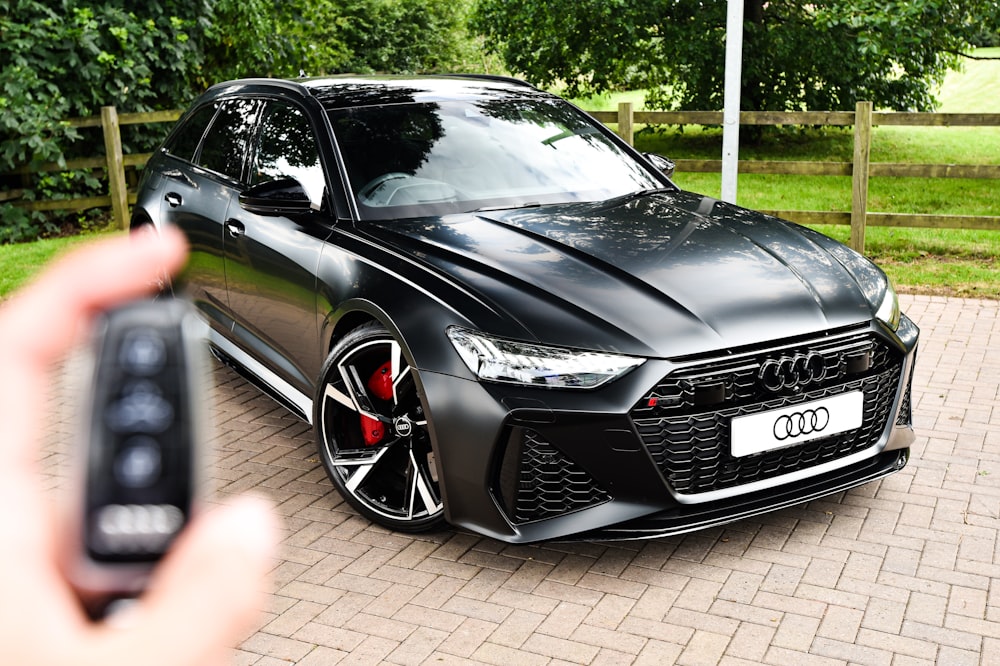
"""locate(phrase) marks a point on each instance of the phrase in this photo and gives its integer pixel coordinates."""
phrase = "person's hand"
(207, 592)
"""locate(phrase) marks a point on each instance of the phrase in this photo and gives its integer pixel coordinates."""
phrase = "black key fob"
(141, 456)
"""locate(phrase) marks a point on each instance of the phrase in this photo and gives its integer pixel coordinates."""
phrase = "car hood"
(661, 274)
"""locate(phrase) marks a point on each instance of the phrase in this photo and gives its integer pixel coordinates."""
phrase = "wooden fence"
(626, 118)
(860, 168)
(114, 162)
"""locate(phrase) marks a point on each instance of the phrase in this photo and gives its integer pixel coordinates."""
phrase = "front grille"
(689, 439)
(538, 481)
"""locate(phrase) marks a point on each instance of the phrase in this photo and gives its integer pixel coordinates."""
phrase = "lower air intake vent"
(537, 481)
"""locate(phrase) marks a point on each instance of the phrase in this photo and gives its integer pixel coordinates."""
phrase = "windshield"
(411, 160)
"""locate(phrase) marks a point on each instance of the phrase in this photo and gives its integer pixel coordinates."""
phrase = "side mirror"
(663, 164)
(285, 196)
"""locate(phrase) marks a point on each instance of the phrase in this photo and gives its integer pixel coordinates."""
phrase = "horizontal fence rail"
(860, 169)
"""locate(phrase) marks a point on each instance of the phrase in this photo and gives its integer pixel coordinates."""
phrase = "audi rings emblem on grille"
(801, 423)
(792, 371)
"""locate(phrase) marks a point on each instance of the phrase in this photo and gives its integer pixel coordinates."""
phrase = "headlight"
(509, 361)
(888, 311)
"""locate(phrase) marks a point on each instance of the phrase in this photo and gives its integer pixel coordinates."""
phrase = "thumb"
(208, 591)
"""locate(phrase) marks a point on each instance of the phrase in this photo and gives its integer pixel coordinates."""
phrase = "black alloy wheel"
(372, 433)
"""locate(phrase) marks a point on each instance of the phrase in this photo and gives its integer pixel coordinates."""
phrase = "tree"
(826, 54)
(385, 36)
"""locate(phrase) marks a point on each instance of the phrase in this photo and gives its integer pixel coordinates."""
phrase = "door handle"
(235, 228)
(173, 199)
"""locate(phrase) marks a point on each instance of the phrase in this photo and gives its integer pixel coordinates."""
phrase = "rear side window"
(184, 142)
(226, 143)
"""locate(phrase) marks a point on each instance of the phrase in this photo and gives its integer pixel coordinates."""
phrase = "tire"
(372, 434)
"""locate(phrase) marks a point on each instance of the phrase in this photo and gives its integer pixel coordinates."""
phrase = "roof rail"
(291, 85)
(494, 77)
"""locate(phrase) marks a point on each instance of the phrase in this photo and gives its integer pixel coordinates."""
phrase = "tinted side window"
(225, 146)
(287, 149)
(185, 140)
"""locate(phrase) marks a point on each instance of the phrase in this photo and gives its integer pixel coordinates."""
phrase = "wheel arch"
(140, 218)
(355, 313)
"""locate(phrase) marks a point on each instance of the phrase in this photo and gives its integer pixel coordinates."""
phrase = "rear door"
(204, 171)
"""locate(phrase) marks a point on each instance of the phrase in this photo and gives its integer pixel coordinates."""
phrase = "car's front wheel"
(372, 432)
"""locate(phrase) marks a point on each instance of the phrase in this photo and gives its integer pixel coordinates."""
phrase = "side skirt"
(266, 381)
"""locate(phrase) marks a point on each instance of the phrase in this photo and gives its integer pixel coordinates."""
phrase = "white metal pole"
(731, 101)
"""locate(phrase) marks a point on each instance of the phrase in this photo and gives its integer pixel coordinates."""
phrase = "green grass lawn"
(19, 262)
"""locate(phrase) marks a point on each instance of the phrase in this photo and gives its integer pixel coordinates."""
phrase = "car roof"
(350, 91)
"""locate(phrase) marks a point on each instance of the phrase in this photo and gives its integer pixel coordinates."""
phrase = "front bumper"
(649, 455)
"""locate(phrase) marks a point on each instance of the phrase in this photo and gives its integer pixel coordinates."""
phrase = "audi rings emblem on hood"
(789, 372)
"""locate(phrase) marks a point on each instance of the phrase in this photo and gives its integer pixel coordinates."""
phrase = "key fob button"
(142, 408)
(139, 463)
(143, 352)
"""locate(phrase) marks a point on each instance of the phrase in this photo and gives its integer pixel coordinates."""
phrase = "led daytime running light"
(508, 361)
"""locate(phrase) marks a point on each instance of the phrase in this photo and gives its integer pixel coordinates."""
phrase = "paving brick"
(466, 638)
(883, 615)
(559, 648)
(698, 595)
(741, 587)
(609, 639)
(294, 618)
(746, 613)
(517, 627)
(783, 657)
(853, 653)
(751, 642)
(609, 612)
(322, 656)
(796, 632)
(418, 647)
(657, 653)
(704, 649)
(491, 653)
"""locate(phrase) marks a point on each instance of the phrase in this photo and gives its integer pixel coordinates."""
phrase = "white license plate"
(778, 428)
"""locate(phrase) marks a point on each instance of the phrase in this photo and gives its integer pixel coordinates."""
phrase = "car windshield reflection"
(412, 160)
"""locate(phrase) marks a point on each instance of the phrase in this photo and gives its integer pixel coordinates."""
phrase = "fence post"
(625, 127)
(859, 186)
(117, 187)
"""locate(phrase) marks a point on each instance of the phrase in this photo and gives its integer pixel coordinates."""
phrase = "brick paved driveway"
(898, 572)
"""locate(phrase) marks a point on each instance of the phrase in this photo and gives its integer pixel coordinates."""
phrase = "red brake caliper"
(380, 385)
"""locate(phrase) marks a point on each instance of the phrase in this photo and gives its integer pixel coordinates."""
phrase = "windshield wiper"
(487, 209)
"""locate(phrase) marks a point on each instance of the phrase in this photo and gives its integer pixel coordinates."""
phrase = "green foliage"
(384, 36)
(818, 55)
(20, 225)
(70, 57)
(246, 38)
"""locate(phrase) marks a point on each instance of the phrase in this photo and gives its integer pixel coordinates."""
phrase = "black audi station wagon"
(494, 312)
